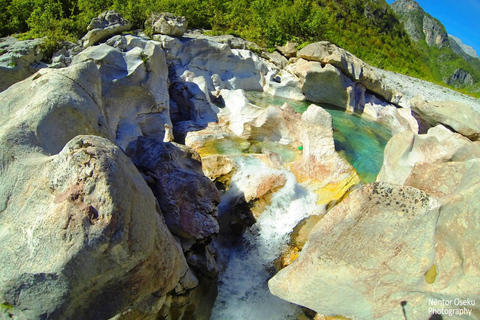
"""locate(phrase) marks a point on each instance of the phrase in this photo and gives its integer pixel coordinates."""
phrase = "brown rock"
(289, 50)
(187, 198)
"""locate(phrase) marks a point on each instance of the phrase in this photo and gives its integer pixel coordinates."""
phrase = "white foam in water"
(243, 292)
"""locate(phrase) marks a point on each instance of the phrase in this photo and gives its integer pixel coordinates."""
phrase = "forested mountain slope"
(444, 57)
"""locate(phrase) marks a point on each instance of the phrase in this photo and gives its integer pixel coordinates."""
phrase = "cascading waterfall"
(243, 292)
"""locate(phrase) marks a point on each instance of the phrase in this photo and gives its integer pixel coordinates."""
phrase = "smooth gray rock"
(323, 84)
(63, 57)
(351, 66)
(19, 60)
(106, 25)
(134, 87)
(60, 104)
(276, 58)
(458, 116)
(404, 150)
(79, 226)
(201, 68)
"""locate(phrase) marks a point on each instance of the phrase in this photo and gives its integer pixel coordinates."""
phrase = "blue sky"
(461, 18)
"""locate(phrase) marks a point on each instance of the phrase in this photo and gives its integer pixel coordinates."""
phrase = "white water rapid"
(243, 292)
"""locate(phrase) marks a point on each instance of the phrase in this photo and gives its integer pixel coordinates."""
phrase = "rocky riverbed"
(138, 168)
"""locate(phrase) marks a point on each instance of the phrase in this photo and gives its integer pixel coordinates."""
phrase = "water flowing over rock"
(372, 249)
(167, 23)
(19, 60)
(105, 26)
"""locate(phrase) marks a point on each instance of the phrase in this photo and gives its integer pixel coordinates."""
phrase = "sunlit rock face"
(104, 26)
(372, 249)
(93, 226)
(134, 90)
(458, 116)
(85, 224)
(443, 164)
(457, 260)
(439, 145)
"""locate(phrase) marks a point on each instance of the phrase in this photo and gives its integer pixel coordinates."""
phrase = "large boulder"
(456, 185)
(83, 236)
(372, 250)
(174, 173)
(459, 116)
(167, 23)
(135, 82)
(357, 70)
(19, 60)
(106, 25)
(249, 121)
(406, 149)
(201, 68)
(323, 83)
(79, 226)
(395, 119)
(289, 50)
(61, 104)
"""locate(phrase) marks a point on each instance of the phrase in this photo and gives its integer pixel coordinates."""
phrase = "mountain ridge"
(446, 59)
(469, 50)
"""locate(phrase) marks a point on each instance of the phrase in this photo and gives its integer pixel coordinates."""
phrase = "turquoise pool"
(360, 141)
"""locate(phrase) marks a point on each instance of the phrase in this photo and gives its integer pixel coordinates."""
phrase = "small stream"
(247, 266)
(243, 291)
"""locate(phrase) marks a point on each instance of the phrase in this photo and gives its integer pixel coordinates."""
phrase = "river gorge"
(185, 176)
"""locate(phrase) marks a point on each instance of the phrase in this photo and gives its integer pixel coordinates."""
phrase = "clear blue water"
(360, 141)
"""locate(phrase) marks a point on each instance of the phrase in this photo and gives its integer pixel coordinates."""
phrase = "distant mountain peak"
(419, 24)
(465, 48)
